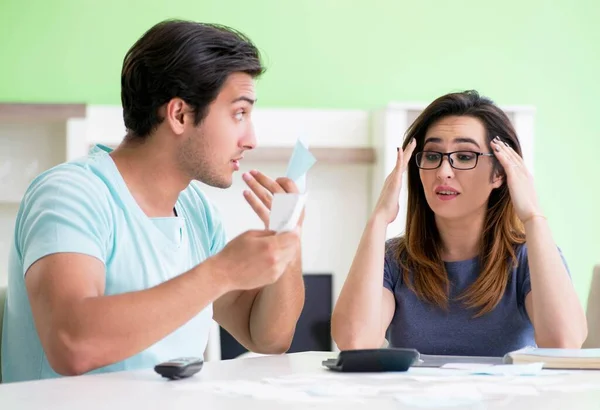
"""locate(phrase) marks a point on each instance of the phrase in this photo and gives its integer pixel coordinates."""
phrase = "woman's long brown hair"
(418, 251)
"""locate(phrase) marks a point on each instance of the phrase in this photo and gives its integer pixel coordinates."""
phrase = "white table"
(147, 390)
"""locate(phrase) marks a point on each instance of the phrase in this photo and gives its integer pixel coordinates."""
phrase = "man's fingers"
(258, 233)
(288, 239)
(258, 189)
(288, 185)
(272, 186)
(259, 208)
(301, 219)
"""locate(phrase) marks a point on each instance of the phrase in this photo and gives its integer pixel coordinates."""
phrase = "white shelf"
(24, 112)
(10, 201)
(324, 155)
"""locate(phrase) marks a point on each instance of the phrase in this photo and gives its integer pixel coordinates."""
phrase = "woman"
(477, 272)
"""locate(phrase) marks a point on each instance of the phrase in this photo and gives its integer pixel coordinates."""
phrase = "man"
(119, 261)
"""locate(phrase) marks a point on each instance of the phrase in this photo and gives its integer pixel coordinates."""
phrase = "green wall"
(329, 54)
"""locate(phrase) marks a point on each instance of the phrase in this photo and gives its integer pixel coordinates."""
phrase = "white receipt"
(286, 210)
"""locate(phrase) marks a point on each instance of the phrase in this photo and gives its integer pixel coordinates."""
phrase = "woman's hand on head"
(388, 204)
(519, 180)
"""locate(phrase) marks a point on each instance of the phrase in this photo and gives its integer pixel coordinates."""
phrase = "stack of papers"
(557, 358)
(422, 387)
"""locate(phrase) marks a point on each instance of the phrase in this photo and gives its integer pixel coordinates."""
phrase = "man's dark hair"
(183, 59)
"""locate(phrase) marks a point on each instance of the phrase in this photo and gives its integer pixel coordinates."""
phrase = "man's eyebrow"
(247, 99)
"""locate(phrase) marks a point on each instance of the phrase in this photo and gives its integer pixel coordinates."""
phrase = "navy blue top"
(432, 330)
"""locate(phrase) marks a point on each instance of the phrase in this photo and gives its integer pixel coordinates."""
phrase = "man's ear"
(175, 115)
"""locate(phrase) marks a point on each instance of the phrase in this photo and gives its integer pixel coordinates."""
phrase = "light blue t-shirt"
(431, 330)
(85, 207)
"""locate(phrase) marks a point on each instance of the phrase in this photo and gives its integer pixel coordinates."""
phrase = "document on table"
(530, 369)
(417, 387)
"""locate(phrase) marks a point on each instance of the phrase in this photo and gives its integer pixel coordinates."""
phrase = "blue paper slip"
(300, 162)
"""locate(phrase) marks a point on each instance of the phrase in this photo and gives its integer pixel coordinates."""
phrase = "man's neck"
(151, 175)
(461, 238)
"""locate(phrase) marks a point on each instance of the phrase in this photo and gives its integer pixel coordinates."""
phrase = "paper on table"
(570, 388)
(435, 372)
(339, 384)
(341, 390)
(256, 390)
(507, 389)
(286, 210)
(430, 374)
(530, 369)
(465, 366)
(300, 162)
(433, 402)
(448, 395)
(316, 388)
(542, 379)
(460, 394)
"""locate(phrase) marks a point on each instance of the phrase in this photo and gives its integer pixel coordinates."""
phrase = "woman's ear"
(498, 178)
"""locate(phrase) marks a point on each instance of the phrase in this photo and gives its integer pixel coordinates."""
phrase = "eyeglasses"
(457, 159)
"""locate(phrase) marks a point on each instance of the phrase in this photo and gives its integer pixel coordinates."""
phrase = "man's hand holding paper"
(280, 203)
(264, 191)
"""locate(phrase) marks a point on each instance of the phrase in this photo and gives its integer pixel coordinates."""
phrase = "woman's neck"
(461, 238)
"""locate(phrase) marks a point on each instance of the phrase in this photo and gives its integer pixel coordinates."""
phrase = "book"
(556, 358)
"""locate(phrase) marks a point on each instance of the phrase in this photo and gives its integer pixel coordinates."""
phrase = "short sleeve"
(219, 238)
(64, 210)
(523, 274)
(391, 269)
